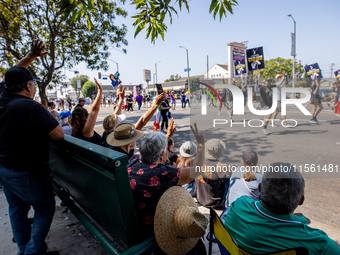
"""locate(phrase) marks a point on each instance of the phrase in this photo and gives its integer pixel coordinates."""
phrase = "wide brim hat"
(178, 224)
(124, 134)
(214, 149)
(188, 149)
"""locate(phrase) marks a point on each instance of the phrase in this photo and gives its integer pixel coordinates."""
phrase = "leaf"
(213, 5)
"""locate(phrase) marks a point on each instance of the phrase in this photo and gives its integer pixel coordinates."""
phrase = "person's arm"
(188, 174)
(37, 48)
(92, 118)
(165, 108)
(148, 115)
(317, 87)
(57, 133)
(121, 94)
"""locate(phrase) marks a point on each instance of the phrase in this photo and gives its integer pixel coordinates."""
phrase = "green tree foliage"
(67, 41)
(88, 88)
(83, 78)
(194, 83)
(173, 78)
(277, 66)
(151, 13)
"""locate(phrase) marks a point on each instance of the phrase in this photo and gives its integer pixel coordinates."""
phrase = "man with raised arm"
(25, 133)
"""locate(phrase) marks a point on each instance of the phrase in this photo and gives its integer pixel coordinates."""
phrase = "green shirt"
(258, 230)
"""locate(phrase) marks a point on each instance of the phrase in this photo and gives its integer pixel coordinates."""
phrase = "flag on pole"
(158, 119)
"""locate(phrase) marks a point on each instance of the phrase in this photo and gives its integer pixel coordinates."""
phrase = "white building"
(217, 72)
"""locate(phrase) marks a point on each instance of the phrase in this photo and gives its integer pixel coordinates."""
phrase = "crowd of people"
(259, 208)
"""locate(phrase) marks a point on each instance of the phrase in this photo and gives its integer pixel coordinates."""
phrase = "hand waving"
(198, 134)
(160, 98)
(171, 129)
(37, 48)
(99, 85)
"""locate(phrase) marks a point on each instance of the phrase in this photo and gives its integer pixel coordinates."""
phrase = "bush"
(88, 88)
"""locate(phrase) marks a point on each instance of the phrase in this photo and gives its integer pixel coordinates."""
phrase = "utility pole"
(332, 69)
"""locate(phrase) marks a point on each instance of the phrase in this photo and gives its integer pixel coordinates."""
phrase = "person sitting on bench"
(269, 225)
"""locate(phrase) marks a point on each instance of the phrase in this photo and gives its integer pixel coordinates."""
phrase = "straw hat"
(188, 149)
(178, 224)
(124, 134)
(214, 149)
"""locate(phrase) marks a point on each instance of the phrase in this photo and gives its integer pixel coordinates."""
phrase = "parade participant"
(210, 189)
(336, 95)
(316, 101)
(150, 176)
(61, 104)
(148, 100)
(129, 102)
(187, 98)
(24, 153)
(81, 102)
(65, 122)
(266, 101)
(273, 219)
(223, 96)
(173, 100)
(69, 102)
(165, 114)
(183, 99)
(230, 102)
(337, 101)
(139, 100)
(281, 81)
(83, 123)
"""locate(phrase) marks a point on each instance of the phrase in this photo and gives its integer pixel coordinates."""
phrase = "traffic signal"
(99, 75)
(186, 83)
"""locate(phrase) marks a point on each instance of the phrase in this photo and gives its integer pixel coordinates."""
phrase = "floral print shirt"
(147, 183)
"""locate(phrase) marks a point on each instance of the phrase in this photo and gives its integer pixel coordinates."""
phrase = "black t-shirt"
(147, 98)
(165, 104)
(24, 139)
(266, 96)
(129, 100)
(96, 138)
(172, 158)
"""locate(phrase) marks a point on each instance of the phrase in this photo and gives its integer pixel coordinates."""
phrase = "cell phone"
(159, 88)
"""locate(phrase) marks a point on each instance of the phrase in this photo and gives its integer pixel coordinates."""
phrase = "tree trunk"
(42, 94)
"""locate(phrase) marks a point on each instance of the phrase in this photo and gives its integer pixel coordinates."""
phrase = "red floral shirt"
(147, 183)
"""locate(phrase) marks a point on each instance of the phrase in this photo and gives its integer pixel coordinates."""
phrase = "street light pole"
(115, 63)
(156, 70)
(294, 55)
(187, 64)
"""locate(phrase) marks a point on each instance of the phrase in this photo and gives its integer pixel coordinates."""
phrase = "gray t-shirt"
(238, 187)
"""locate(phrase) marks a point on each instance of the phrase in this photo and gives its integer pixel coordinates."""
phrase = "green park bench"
(93, 182)
(96, 179)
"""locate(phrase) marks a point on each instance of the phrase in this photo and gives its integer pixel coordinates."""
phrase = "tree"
(88, 88)
(68, 42)
(173, 78)
(277, 66)
(194, 83)
(151, 14)
(83, 78)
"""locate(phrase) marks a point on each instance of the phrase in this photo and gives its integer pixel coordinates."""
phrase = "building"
(217, 72)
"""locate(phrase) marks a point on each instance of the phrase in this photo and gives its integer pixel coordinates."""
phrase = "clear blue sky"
(261, 23)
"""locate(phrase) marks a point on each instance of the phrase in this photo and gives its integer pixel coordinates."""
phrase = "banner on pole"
(337, 75)
(313, 71)
(239, 59)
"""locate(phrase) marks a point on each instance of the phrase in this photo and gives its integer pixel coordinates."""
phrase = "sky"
(260, 22)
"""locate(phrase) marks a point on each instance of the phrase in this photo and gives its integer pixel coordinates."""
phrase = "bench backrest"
(97, 179)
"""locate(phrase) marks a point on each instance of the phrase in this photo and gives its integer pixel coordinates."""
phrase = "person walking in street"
(139, 100)
(187, 98)
(24, 153)
(183, 99)
(129, 102)
(173, 100)
(164, 113)
(316, 101)
(266, 100)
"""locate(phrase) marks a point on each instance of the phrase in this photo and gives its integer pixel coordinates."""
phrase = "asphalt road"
(307, 143)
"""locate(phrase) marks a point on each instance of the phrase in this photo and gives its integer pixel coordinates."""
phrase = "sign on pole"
(337, 75)
(239, 59)
(78, 84)
(187, 69)
(147, 75)
(293, 46)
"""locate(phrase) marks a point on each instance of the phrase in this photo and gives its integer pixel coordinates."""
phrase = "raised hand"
(160, 98)
(99, 85)
(37, 48)
(171, 129)
(198, 134)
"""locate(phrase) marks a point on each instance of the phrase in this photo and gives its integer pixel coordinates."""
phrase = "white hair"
(63, 121)
(151, 146)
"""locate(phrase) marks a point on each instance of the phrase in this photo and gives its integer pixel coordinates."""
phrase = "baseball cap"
(64, 114)
(250, 157)
(19, 75)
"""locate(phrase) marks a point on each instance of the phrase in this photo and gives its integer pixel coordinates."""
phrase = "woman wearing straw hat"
(150, 176)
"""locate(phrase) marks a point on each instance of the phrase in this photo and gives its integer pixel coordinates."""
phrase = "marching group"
(259, 209)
